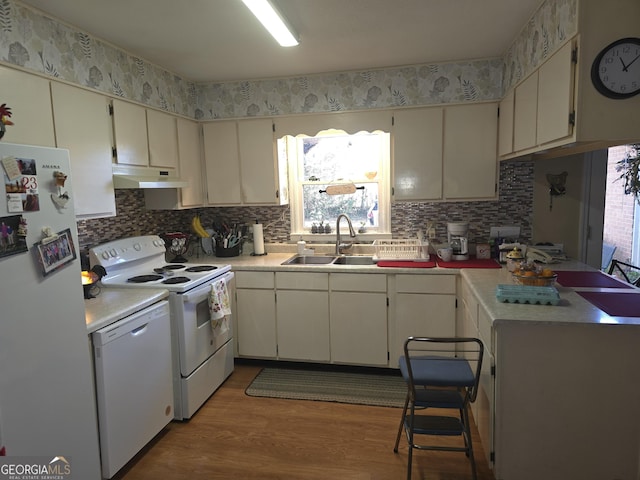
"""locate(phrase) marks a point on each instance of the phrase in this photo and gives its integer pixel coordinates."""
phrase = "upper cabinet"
(130, 134)
(505, 124)
(241, 164)
(163, 139)
(470, 151)
(417, 153)
(144, 137)
(190, 168)
(83, 126)
(543, 106)
(29, 99)
(443, 153)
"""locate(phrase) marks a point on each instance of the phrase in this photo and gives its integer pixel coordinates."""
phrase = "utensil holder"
(227, 252)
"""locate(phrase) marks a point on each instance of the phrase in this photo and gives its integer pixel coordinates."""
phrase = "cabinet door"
(258, 162)
(163, 139)
(358, 323)
(470, 151)
(222, 163)
(130, 132)
(256, 311)
(505, 124)
(29, 99)
(423, 315)
(303, 325)
(525, 113)
(190, 161)
(83, 126)
(555, 96)
(417, 154)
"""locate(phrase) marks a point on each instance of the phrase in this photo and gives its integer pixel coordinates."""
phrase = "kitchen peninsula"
(558, 388)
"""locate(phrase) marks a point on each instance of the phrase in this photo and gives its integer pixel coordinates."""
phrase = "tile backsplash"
(513, 207)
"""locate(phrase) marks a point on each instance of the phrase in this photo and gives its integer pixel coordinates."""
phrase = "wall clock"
(616, 69)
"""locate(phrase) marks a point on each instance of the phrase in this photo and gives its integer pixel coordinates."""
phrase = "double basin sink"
(329, 260)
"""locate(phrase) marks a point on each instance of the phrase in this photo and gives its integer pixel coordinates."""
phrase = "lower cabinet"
(358, 319)
(424, 306)
(256, 312)
(302, 312)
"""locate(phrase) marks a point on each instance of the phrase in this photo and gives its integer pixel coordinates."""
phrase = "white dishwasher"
(134, 384)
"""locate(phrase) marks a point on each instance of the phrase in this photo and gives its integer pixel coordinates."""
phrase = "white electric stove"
(203, 355)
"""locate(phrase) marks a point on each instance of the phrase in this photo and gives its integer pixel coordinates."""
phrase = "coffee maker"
(458, 241)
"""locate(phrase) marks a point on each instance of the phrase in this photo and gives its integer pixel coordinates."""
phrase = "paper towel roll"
(258, 239)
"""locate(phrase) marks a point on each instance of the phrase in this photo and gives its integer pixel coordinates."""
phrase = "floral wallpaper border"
(33, 41)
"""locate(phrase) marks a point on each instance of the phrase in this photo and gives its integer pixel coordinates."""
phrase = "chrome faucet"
(352, 233)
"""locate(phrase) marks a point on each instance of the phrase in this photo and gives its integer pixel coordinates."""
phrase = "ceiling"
(220, 40)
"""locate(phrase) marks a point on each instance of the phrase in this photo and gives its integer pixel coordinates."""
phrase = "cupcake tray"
(527, 294)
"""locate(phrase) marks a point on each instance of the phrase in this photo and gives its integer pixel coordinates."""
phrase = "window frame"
(383, 179)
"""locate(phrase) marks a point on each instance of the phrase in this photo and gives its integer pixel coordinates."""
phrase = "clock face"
(615, 72)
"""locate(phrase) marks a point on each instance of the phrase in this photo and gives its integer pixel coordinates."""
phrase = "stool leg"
(401, 426)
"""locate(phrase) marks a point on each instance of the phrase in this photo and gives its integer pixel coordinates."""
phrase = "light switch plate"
(505, 232)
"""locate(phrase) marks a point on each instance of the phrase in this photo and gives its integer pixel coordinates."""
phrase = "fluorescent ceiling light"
(273, 22)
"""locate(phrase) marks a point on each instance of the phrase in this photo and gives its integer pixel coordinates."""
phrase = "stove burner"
(173, 280)
(173, 266)
(144, 278)
(201, 268)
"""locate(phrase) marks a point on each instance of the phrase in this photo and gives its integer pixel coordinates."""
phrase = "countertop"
(113, 304)
(572, 309)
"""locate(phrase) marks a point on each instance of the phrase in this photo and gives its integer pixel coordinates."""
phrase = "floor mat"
(384, 389)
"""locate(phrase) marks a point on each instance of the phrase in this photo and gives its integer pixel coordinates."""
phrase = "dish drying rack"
(407, 250)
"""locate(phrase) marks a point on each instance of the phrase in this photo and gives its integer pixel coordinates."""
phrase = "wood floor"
(234, 436)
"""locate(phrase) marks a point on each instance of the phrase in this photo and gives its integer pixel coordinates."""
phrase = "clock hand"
(626, 68)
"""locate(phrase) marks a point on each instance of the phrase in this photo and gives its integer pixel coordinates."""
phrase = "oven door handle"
(200, 294)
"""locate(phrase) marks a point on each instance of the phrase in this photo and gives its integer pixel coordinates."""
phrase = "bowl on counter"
(530, 278)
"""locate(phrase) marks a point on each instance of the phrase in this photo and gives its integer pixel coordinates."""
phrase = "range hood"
(125, 176)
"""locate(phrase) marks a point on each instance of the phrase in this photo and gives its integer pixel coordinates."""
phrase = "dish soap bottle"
(301, 246)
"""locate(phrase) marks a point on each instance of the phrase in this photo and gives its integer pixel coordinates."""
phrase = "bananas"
(197, 227)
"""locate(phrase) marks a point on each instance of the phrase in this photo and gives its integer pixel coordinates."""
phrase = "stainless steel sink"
(309, 260)
(329, 260)
(353, 260)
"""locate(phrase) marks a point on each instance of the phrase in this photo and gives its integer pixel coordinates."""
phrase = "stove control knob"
(113, 252)
(137, 247)
(105, 255)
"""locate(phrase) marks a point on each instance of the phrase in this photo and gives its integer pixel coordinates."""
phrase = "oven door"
(193, 323)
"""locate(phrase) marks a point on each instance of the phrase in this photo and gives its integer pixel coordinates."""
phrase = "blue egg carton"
(527, 294)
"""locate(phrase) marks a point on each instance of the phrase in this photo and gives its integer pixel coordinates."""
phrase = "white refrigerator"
(47, 397)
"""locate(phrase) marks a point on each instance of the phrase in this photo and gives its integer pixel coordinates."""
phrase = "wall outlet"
(431, 233)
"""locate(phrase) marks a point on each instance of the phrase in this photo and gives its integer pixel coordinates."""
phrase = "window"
(332, 158)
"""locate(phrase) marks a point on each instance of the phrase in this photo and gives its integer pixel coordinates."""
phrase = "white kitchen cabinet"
(445, 153)
(302, 312)
(222, 163)
(505, 124)
(525, 113)
(130, 133)
(29, 99)
(555, 96)
(256, 314)
(163, 139)
(544, 105)
(358, 319)
(424, 305)
(417, 154)
(83, 126)
(470, 152)
(242, 167)
(190, 167)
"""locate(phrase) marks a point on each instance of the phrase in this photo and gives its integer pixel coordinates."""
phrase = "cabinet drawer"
(358, 282)
(426, 284)
(302, 281)
(254, 280)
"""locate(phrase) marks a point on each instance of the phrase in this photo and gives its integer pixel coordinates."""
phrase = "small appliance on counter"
(457, 238)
